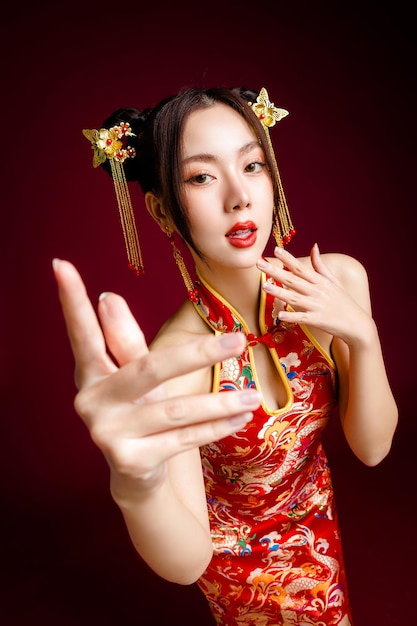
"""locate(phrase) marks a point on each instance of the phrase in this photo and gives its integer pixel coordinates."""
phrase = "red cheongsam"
(277, 554)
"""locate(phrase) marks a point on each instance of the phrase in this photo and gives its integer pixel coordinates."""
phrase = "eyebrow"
(206, 156)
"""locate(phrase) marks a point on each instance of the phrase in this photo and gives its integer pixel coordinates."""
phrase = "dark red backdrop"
(347, 156)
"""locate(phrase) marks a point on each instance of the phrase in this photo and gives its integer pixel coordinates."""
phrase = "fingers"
(298, 283)
(118, 329)
(318, 264)
(122, 333)
(141, 376)
(201, 420)
(295, 278)
(295, 266)
(144, 418)
(86, 337)
(295, 274)
(161, 447)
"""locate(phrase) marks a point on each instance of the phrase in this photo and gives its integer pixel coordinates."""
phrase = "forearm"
(166, 534)
(368, 410)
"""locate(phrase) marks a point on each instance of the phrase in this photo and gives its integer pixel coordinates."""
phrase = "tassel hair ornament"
(193, 295)
(268, 114)
(110, 144)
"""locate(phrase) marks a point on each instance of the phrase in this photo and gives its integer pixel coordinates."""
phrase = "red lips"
(239, 227)
(242, 234)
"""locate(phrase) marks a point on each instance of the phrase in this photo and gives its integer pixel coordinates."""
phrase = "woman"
(245, 509)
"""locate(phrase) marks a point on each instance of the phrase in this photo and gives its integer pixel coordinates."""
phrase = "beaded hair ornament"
(111, 144)
(269, 114)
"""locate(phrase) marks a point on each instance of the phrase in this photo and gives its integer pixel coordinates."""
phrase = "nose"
(237, 196)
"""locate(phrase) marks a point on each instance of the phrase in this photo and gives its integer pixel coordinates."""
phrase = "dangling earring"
(283, 229)
(191, 290)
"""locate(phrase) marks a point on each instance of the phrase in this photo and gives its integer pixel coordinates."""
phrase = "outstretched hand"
(121, 395)
(316, 296)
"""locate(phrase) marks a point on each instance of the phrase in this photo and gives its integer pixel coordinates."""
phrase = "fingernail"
(250, 398)
(231, 340)
(269, 287)
(55, 263)
(279, 251)
(262, 264)
(103, 295)
(240, 420)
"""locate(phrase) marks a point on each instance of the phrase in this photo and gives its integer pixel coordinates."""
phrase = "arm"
(149, 440)
(334, 297)
(367, 408)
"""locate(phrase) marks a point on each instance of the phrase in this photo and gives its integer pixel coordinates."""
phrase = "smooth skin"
(125, 406)
(150, 412)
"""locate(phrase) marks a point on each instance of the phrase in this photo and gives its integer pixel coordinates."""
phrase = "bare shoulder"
(183, 326)
(350, 273)
(346, 268)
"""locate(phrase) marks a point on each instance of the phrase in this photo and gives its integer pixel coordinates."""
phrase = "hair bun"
(248, 94)
(135, 118)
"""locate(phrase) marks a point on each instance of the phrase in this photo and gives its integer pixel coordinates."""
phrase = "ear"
(157, 211)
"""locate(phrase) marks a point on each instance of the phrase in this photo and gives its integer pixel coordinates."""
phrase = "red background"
(347, 157)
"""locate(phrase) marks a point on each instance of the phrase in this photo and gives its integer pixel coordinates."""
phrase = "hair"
(158, 144)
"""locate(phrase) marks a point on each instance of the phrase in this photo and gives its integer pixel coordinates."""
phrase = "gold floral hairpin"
(108, 144)
(269, 114)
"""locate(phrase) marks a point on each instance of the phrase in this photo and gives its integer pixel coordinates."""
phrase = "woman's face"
(228, 192)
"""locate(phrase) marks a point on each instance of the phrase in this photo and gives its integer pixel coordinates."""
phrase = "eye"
(255, 167)
(199, 179)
